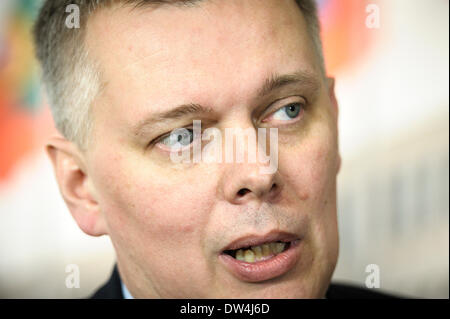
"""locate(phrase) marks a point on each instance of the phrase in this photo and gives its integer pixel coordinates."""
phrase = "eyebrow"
(303, 78)
(178, 112)
(273, 83)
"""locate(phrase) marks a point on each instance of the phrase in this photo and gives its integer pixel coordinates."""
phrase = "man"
(133, 73)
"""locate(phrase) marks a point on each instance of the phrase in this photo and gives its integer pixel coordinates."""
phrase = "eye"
(178, 138)
(288, 112)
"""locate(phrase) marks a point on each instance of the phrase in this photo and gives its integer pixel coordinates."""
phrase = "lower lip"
(265, 269)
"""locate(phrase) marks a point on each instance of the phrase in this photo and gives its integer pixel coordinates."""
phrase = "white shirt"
(126, 294)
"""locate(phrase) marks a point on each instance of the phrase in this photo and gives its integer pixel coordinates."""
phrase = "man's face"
(170, 222)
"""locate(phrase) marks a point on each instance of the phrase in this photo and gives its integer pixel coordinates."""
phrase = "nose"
(242, 183)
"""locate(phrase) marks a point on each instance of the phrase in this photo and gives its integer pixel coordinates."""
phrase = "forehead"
(215, 50)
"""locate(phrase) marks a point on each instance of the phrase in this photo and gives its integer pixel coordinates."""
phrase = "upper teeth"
(260, 252)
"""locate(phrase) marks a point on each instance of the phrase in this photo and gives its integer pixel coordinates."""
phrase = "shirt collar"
(126, 294)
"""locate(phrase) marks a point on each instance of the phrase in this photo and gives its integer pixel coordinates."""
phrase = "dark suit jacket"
(113, 290)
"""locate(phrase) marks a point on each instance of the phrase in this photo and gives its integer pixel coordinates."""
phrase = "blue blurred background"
(392, 84)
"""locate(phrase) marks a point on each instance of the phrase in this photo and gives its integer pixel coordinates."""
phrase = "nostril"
(243, 191)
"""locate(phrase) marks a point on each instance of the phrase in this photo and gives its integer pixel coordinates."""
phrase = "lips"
(265, 267)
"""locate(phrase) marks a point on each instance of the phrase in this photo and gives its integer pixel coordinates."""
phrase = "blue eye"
(182, 136)
(288, 112)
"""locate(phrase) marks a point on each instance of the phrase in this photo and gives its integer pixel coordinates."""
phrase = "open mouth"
(259, 258)
(253, 254)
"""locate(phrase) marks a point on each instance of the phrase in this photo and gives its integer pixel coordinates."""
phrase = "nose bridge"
(244, 142)
(246, 176)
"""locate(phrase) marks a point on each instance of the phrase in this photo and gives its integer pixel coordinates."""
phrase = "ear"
(332, 95)
(334, 103)
(75, 185)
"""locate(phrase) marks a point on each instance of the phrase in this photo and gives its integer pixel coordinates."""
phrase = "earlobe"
(75, 185)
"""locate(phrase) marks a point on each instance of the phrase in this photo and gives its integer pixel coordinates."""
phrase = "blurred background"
(390, 59)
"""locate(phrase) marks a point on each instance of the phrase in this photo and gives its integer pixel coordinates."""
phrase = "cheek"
(310, 170)
(142, 204)
(167, 210)
(172, 208)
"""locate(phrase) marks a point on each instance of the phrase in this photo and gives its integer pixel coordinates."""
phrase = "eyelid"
(167, 149)
(272, 109)
(157, 139)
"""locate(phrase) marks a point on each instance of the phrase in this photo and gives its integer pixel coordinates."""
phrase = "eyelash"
(160, 138)
(294, 120)
(299, 115)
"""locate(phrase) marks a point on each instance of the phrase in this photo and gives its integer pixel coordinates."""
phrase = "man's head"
(115, 86)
